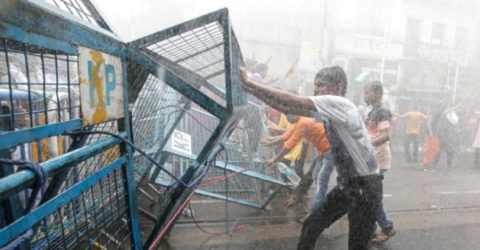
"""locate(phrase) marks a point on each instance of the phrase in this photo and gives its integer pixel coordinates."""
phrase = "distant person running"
(414, 121)
(444, 124)
(359, 187)
(379, 126)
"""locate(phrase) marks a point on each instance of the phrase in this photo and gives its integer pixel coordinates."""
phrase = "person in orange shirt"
(414, 120)
(309, 131)
(298, 153)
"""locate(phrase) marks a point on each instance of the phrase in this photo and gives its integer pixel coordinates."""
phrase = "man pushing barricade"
(359, 186)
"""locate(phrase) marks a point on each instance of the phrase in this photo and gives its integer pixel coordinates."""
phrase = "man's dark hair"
(376, 86)
(334, 75)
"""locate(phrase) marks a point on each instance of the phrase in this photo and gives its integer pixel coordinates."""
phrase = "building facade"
(421, 50)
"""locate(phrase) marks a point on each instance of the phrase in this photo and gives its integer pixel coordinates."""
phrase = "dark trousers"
(447, 148)
(299, 164)
(359, 200)
(411, 139)
(306, 182)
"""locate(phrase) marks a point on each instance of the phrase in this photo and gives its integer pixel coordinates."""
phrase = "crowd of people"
(356, 145)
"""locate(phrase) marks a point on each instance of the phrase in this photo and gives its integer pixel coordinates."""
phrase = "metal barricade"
(255, 186)
(199, 60)
(88, 199)
(74, 97)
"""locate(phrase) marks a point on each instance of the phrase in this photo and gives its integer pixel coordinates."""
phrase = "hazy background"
(420, 50)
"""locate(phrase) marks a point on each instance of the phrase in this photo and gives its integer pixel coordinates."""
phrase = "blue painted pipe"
(25, 178)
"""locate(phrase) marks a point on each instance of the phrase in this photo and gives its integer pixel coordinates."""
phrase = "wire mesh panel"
(89, 201)
(47, 79)
(242, 189)
(199, 59)
(44, 90)
(242, 147)
(94, 219)
(83, 170)
(83, 9)
(199, 125)
(244, 143)
(37, 87)
(154, 113)
(157, 106)
(242, 152)
(198, 51)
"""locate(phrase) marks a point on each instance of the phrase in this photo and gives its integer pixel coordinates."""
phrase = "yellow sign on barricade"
(101, 91)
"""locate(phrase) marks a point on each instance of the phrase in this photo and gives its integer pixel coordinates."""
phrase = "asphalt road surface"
(431, 210)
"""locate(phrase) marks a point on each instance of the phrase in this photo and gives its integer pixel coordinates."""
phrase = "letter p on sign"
(101, 90)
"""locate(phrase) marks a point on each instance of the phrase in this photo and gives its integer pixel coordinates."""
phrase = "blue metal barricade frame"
(95, 167)
(177, 57)
(148, 52)
(241, 158)
(232, 169)
(40, 25)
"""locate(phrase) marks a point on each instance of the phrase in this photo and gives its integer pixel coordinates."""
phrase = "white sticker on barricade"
(181, 142)
(101, 91)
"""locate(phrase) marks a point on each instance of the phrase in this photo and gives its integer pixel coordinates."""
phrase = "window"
(461, 37)
(370, 18)
(412, 34)
(438, 33)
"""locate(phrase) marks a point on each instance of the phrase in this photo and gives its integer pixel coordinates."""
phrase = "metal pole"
(448, 75)
(457, 69)
(385, 32)
(326, 45)
(125, 124)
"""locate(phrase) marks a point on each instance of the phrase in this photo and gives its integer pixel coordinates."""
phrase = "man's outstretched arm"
(281, 100)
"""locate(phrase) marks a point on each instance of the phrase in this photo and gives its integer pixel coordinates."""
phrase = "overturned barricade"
(88, 122)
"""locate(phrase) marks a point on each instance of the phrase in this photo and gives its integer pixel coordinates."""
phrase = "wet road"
(431, 210)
